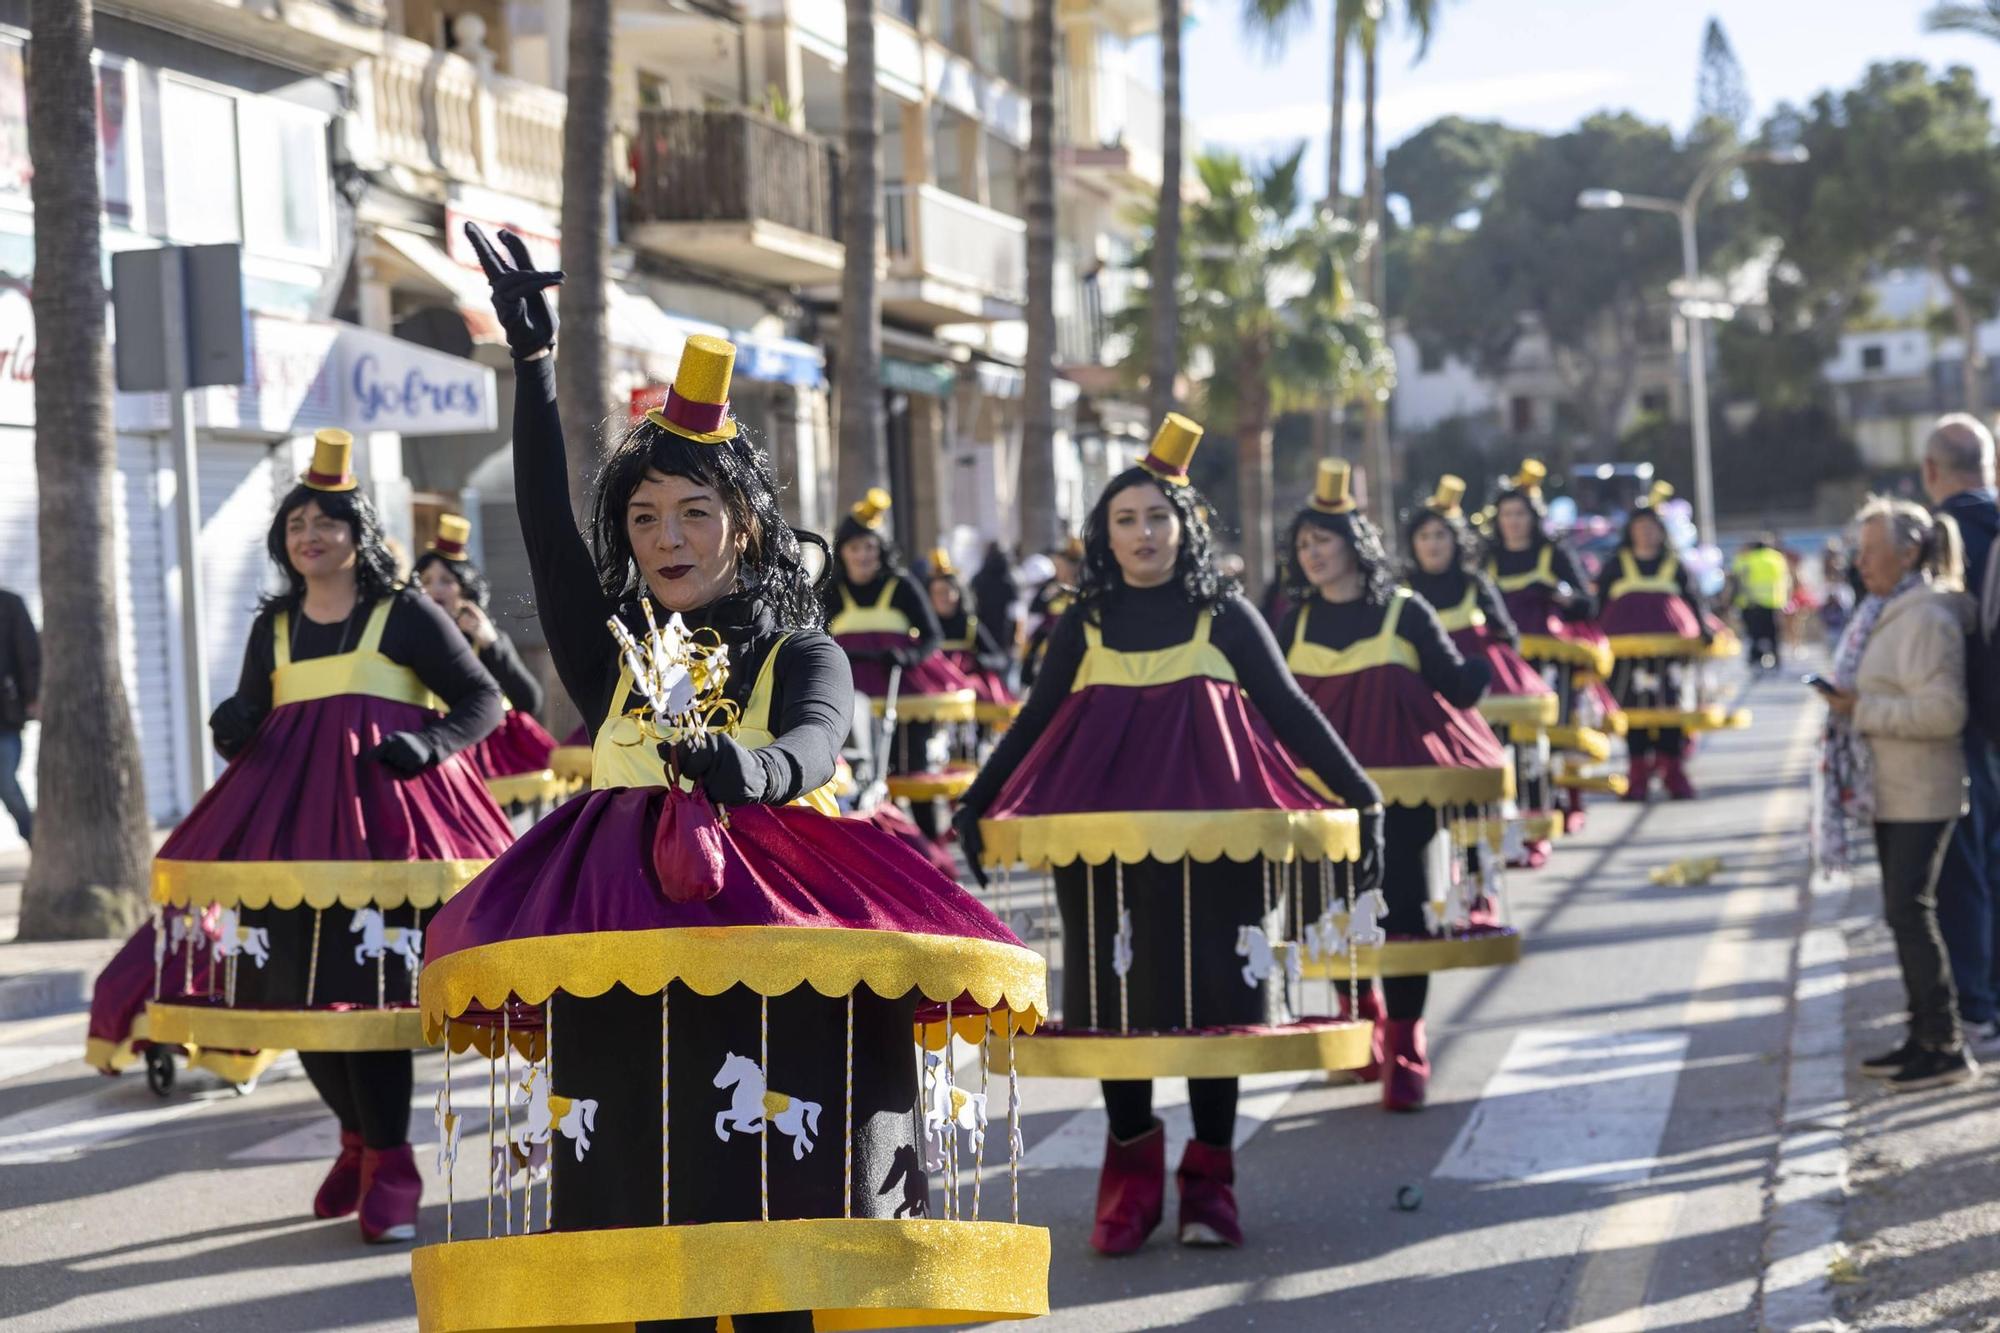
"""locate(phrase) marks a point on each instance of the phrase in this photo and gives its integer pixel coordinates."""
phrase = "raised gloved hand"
(404, 752)
(722, 767)
(232, 725)
(1368, 871)
(970, 841)
(520, 292)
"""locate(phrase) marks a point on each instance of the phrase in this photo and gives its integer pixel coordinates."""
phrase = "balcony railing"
(1099, 110)
(734, 166)
(433, 112)
(931, 233)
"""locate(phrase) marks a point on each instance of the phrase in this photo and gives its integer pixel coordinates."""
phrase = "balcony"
(433, 115)
(951, 261)
(325, 33)
(1110, 126)
(739, 192)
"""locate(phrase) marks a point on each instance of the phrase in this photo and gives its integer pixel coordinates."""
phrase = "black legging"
(368, 1091)
(1128, 1105)
(1911, 855)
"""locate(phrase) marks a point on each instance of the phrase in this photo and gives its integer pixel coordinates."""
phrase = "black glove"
(520, 292)
(722, 767)
(232, 725)
(1368, 870)
(966, 824)
(407, 753)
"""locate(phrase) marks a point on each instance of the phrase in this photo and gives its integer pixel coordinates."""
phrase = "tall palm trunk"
(1165, 333)
(1375, 422)
(1035, 488)
(583, 364)
(92, 843)
(1253, 471)
(1336, 145)
(864, 444)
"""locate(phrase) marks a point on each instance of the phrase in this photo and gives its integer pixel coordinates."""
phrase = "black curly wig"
(772, 568)
(852, 527)
(374, 563)
(1378, 574)
(1654, 516)
(1195, 567)
(472, 585)
(1538, 514)
(1465, 547)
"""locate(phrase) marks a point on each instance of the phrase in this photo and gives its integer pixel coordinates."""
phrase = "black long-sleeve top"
(991, 656)
(812, 688)
(1614, 569)
(20, 654)
(1341, 625)
(1562, 563)
(503, 662)
(1148, 619)
(1445, 591)
(417, 634)
(909, 598)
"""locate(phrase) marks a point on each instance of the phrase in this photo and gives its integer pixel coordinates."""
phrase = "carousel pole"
(312, 966)
(1013, 1123)
(1090, 935)
(506, 1110)
(548, 1064)
(1187, 946)
(666, 1218)
(847, 1121)
(951, 1116)
(1124, 988)
(985, 1088)
(492, 1118)
(451, 1163)
(764, 1121)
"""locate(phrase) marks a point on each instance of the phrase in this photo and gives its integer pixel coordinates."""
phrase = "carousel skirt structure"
(1223, 1052)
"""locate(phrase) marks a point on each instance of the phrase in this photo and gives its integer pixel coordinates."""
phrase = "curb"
(53, 990)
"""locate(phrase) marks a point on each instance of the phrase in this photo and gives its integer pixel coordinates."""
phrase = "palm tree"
(1035, 489)
(1981, 18)
(1264, 296)
(864, 443)
(92, 836)
(1163, 337)
(583, 370)
(1277, 22)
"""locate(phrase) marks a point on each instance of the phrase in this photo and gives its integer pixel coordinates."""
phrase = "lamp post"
(1692, 310)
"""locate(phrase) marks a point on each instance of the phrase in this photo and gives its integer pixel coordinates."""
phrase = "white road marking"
(1078, 1143)
(64, 1129)
(1566, 1105)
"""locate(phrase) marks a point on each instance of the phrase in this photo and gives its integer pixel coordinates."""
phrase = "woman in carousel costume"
(1046, 607)
(884, 622)
(515, 759)
(1548, 598)
(714, 982)
(1375, 660)
(970, 645)
(1441, 565)
(1660, 636)
(345, 817)
(1147, 743)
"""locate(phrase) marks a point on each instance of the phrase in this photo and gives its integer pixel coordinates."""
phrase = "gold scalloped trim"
(1604, 784)
(989, 714)
(398, 1029)
(1587, 741)
(1548, 648)
(946, 786)
(1543, 826)
(1323, 1044)
(1521, 710)
(852, 1273)
(1631, 646)
(289, 884)
(1416, 958)
(1040, 841)
(951, 706)
(971, 1029)
(1713, 718)
(529, 788)
(571, 761)
(770, 960)
(1443, 786)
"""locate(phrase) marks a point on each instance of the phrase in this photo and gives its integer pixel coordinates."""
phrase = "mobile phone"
(1822, 684)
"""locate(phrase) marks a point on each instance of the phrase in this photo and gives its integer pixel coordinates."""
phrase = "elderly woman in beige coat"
(1891, 759)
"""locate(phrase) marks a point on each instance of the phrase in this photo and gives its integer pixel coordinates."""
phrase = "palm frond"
(1276, 22)
(1973, 16)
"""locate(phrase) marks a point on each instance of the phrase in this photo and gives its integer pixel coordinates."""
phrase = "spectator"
(1762, 581)
(993, 597)
(1892, 758)
(1958, 478)
(20, 693)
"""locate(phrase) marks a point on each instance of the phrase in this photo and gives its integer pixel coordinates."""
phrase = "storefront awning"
(930, 378)
(779, 361)
(466, 289)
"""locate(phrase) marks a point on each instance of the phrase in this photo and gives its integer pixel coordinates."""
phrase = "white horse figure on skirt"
(752, 1102)
(182, 928)
(448, 1123)
(1253, 944)
(950, 1107)
(1121, 944)
(234, 938)
(378, 938)
(1326, 938)
(1364, 924)
(548, 1112)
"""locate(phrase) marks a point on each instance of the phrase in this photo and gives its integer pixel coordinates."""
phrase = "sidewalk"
(1922, 1216)
(41, 979)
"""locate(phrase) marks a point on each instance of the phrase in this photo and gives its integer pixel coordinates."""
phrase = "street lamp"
(1684, 210)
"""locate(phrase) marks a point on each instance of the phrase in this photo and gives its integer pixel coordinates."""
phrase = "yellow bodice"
(1383, 648)
(1158, 666)
(1466, 615)
(880, 618)
(1543, 573)
(363, 671)
(1630, 580)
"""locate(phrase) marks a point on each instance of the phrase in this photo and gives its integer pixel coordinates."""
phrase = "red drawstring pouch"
(688, 853)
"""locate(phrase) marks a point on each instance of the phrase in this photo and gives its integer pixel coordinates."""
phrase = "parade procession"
(965, 663)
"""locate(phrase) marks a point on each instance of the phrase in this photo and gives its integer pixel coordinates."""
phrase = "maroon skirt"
(518, 745)
(988, 686)
(1512, 676)
(1533, 611)
(936, 674)
(1391, 719)
(1650, 613)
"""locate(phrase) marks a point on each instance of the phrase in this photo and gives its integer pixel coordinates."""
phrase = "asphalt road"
(1595, 1156)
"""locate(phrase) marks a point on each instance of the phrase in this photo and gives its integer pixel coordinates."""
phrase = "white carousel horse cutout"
(549, 1113)
(509, 1161)
(1364, 926)
(233, 938)
(1326, 938)
(1121, 944)
(449, 1123)
(1015, 1142)
(159, 941)
(182, 929)
(1253, 944)
(949, 1107)
(1490, 877)
(752, 1102)
(378, 938)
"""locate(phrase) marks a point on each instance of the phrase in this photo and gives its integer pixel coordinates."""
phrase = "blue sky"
(1545, 64)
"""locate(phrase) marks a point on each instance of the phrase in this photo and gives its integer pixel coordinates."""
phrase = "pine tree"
(1721, 94)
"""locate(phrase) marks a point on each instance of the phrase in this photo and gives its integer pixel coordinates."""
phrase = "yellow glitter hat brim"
(723, 436)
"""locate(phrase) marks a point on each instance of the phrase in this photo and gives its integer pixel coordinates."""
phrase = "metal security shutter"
(238, 494)
(145, 619)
